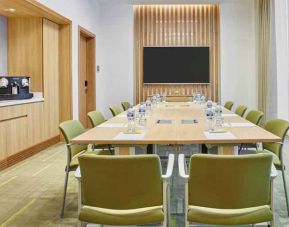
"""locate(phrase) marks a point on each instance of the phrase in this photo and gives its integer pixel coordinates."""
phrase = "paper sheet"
(219, 136)
(238, 124)
(125, 136)
(229, 115)
(112, 125)
(121, 115)
(242, 124)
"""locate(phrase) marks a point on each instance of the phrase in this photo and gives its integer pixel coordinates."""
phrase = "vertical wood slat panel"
(177, 25)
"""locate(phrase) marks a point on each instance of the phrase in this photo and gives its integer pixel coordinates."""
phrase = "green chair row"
(131, 190)
(71, 129)
(278, 127)
(116, 110)
(253, 116)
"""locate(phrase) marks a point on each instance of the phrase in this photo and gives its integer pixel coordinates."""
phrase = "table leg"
(124, 150)
(228, 149)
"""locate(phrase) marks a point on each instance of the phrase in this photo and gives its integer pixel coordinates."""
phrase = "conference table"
(176, 123)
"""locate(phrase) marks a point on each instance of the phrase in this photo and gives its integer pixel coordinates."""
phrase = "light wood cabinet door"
(16, 135)
(51, 78)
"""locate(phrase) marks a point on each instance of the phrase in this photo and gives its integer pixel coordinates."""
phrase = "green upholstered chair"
(114, 110)
(228, 105)
(96, 118)
(218, 191)
(255, 116)
(123, 190)
(279, 128)
(69, 130)
(125, 105)
(240, 110)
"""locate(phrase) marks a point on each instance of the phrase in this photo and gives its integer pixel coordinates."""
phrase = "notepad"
(238, 124)
(130, 136)
(112, 125)
(242, 124)
(219, 136)
(229, 115)
(121, 115)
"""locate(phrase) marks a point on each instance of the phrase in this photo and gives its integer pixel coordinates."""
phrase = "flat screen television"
(176, 65)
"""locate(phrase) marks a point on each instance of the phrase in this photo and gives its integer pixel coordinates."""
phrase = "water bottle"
(148, 106)
(210, 121)
(198, 98)
(154, 101)
(142, 116)
(131, 120)
(203, 102)
(209, 104)
(218, 116)
(158, 98)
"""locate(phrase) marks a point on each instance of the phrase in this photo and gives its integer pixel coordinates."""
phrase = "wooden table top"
(176, 132)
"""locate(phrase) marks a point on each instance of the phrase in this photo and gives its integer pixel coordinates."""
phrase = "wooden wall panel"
(176, 25)
(51, 78)
(65, 80)
(25, 50)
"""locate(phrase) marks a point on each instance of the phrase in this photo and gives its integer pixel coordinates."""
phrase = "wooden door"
(86, 78)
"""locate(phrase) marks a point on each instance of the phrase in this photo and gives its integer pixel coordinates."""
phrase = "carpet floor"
(31, 191)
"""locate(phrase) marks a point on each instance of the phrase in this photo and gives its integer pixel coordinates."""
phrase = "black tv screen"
(176, 65)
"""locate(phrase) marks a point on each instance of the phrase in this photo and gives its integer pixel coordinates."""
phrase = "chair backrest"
(96, 118)
(229, 182)
(255, 116)
(228, 105)
(114, 110)
(69, 130)
(125, 105)
(280, 128)
(240, 110)
(123, 182)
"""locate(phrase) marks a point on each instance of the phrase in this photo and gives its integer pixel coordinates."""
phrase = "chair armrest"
(274, 172)
(170, 167)
(182, 170)
(77, 174)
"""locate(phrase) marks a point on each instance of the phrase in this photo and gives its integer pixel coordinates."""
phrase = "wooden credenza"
(24, 132)
(26, 129)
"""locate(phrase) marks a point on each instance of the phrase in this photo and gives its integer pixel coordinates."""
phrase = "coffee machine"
(15, 88)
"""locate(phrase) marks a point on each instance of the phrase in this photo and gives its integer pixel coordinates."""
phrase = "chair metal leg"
(285, 189)
(64, 193)
(81, 224)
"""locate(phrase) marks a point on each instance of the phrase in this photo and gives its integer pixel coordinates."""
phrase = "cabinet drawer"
(12, 112)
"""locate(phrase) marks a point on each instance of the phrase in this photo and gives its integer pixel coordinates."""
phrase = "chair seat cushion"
(137, 216)
(74, 160)
(242, 216)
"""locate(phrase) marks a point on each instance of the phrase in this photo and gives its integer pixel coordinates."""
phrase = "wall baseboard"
(26, 153)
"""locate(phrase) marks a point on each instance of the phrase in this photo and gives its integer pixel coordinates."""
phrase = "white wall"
(116, 53)
(86, 14)
(238, 51)
(3, 46)
(282, 53)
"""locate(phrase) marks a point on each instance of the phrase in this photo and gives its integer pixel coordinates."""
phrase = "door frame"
(90, 68)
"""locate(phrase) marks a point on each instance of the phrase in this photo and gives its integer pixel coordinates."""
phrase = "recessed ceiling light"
(10, 10)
